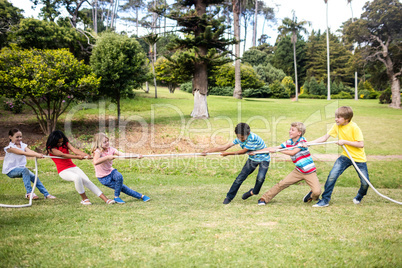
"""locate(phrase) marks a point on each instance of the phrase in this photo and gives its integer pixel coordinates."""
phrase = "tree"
(46, 80)
(249, 78)
(328, 62)
(283, 57)
(356, 92)
(120, 62)
(203, 33)
(379, 30)
(172, 73)
(255, 57)
(136, 6)
(269, 73)
(340, 61)
(42, 34)
(237, 93)
(294, 27)
(9, 16)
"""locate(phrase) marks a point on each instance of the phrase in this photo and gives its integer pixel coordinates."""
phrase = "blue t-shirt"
(254, 143)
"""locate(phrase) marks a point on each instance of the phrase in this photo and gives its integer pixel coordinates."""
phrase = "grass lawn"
(185, 224)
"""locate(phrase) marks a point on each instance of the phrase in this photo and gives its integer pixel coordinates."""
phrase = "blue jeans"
(27, 178)
(115, 181)
(341, 164)
(249, 168)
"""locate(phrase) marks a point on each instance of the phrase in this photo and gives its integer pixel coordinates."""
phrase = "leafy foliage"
(269, 73)
(120, 62)
(9, 16)
(255, 57)
(226, 73)
(41, 34)
(47, 80)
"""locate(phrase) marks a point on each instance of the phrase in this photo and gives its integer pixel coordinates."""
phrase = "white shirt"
(12, 160)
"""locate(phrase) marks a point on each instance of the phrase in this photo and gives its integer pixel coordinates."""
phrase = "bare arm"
(59, 153)
(97, 160)
(357, 144)
(27, 152)
(219, 148)
(291, 152)
(242, 151)
(321, 139)
(78, 152)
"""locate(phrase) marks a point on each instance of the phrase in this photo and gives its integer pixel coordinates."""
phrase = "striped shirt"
(302, 159)
(254, 143)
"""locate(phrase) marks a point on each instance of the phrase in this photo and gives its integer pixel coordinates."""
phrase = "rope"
(202, 154)
(368, 182)
(31, 196)
(167, 155)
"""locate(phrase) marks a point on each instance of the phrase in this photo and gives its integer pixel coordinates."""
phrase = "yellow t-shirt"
(350, 132)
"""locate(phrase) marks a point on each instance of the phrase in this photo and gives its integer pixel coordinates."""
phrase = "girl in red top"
(57, 145)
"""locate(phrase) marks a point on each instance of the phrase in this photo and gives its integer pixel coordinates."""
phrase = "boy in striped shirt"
(305, 168)
(248, 141)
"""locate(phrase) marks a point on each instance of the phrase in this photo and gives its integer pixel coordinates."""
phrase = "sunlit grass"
(186, 224)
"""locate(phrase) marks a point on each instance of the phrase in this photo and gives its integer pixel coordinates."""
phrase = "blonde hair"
(97, 143)
(299, 126)
(345, 112)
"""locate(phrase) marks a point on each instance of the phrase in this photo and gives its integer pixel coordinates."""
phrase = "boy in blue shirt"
(248, 141)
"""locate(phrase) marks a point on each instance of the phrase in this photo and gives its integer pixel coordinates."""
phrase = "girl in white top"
(106, 174)
(15, 162)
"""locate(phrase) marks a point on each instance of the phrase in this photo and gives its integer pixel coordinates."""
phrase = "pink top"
(104, 169)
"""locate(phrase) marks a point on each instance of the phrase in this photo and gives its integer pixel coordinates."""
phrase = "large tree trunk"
(200, 106)
(200, 90)
(200, 79)
(396, 95)
(237, 93)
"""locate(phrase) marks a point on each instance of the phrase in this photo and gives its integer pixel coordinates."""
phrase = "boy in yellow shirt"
(350, 135)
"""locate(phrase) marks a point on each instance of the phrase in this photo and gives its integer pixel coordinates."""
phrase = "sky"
(313, 11)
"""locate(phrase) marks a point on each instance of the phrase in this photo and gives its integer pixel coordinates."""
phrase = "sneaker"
(307, 198)
(261, 202)
(247, 194)
(321, 204)
(226, 201)
(118, 200)
(145, 198)
(357, 199)
(50, 197)
(34, 196)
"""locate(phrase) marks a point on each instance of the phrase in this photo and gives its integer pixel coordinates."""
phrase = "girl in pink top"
(103, 156)
(57, 145)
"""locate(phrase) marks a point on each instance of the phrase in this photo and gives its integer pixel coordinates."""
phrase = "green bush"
(364, 94)
(385, 97)
(262, 92)
(278, 90)
(220, 91)
(187, 87)
(225, 76)
(342, 95)
(13, 105)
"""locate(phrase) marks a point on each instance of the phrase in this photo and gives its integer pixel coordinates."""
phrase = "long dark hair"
(13, 131)
(54, 138)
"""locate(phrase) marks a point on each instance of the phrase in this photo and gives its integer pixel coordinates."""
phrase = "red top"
(62, 164)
